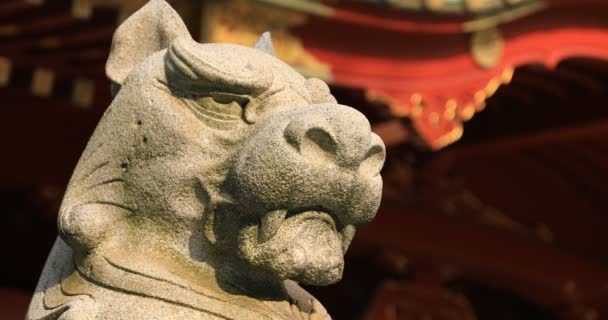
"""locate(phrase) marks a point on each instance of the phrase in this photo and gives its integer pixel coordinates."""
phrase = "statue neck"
(236, 277)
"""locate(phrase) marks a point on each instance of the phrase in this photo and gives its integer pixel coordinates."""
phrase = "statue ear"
(264, 44)
(152, 28)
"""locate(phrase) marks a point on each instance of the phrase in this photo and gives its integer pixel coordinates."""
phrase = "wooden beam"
(65, 58)
(514, 143)
(8, 30)
(5, 71)
(9, 7)
(43, 25)
(42, 82)
(77, 39)
(59, 42)
(63, 66)
(82, 9)
(83, 93)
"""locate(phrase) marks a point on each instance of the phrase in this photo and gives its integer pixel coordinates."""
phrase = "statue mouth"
(272, 221)
(321, 215)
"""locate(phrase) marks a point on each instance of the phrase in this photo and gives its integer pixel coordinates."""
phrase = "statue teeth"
(270, 224)
(348, 232)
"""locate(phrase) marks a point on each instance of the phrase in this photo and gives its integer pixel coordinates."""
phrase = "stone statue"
(217, 180)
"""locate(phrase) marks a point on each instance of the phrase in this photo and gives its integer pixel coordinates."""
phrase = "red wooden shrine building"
(495, 203)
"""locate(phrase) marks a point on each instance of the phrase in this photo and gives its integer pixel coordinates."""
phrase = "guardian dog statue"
(217, 180)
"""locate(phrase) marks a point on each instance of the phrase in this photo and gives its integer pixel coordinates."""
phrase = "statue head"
(218, 156)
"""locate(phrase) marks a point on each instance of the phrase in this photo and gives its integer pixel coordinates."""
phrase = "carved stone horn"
(148, 30)
(264, 43)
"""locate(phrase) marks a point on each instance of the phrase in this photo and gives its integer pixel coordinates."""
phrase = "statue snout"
(319, 156)
(336, 135)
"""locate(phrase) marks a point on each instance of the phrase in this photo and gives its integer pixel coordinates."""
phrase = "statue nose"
(340, 135)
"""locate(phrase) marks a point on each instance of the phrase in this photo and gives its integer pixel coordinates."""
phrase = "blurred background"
(493, 112)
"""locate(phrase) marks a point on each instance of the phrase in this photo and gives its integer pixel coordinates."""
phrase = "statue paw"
(83, 308)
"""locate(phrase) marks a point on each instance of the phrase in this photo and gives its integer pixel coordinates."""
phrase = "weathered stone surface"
(217, 180)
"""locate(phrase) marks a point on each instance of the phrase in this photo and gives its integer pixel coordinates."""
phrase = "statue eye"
(225, 108)
(222, 104)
